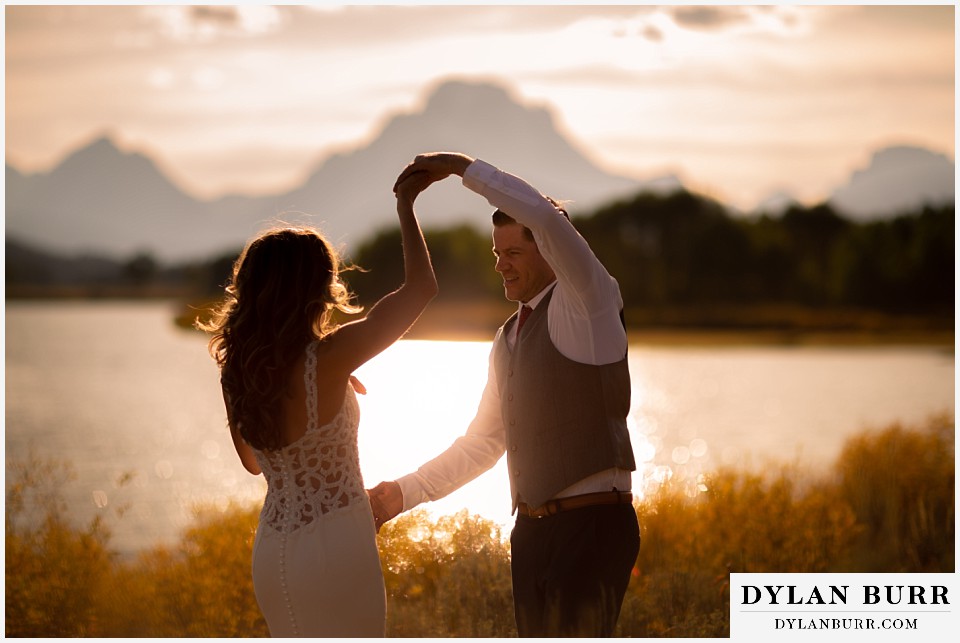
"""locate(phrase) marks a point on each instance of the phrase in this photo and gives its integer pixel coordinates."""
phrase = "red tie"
(524, 313)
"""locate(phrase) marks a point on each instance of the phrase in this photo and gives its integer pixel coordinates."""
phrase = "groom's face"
(524, 270)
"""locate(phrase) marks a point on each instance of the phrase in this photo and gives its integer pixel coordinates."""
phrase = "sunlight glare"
(421, 397)
(643, 448)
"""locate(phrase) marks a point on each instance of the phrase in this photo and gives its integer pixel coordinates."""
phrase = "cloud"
(709, 18)
(149, 70)
(382, 26)
(217, 14)
(254, 19)
(652, 33)
(778, 20)
(598, 75)
(208, 23)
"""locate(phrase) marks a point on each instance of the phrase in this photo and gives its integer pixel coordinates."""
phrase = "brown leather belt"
(557, 505)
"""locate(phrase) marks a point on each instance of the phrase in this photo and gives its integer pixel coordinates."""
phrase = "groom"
(556, 401)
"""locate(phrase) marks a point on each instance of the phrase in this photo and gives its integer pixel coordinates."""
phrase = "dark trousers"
(571, 570)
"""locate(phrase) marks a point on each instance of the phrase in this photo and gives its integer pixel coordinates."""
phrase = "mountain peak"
(483, 119)
(101, 151)
(461, 97)
(104, 142)
(898, 178)
(107, 198)
(100, 145)
(896, 156)
(455, 107)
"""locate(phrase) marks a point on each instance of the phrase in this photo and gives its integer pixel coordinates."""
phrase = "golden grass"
(886, 506)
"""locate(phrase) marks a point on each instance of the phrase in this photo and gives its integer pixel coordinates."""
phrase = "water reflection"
(138, 411)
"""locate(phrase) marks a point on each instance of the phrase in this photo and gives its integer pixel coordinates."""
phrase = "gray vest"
(564, 420)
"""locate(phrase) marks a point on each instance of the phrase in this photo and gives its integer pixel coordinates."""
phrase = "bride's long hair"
(282, 294)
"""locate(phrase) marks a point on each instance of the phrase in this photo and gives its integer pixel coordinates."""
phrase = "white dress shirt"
(583, 320)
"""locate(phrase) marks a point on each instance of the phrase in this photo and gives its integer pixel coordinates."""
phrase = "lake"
(133, 403)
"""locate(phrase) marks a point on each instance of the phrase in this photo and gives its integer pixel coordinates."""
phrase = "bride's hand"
(412, 185)
(439, 165)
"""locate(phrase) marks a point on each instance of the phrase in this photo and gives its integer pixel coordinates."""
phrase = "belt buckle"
(549, 508)
(539, 512)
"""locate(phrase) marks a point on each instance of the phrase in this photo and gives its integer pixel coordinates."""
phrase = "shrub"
(889, 507)
(446, 578)
(54, 572)
(900, 483)
(202, 588)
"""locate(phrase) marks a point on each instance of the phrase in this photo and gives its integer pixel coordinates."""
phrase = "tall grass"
(887, 505)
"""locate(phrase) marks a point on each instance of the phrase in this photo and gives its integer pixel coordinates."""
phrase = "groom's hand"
(412, 185)
(439, 165)
(386, 500)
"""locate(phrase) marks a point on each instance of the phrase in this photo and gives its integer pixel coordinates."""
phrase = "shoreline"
(479, 321)
(755, 326)
(711, 338)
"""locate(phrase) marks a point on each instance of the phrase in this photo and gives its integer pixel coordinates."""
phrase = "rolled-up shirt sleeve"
(470, 455)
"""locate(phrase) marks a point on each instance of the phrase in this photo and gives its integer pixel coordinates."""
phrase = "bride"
(285, 370)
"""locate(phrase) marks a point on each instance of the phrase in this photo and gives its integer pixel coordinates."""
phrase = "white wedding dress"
(316, 568)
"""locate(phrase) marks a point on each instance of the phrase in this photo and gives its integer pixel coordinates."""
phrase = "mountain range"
(102, 200)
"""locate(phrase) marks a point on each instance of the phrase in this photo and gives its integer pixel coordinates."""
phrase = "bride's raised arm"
(393, 315)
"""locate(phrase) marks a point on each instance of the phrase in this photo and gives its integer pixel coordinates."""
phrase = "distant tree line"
(680, 259)
(32, 272)
(684, 252)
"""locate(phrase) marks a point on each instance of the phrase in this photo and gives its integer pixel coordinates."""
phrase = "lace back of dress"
(319, 473)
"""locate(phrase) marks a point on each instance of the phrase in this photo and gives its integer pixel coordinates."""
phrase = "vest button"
(513, 448)
(510, 398)
(516, 474)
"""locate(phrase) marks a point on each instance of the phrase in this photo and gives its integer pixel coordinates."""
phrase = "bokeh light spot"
(100, 498)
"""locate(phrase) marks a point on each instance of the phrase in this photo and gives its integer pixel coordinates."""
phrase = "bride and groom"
(555, 401)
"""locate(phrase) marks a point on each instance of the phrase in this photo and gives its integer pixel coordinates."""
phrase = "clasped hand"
(428, 168)
(386, 501)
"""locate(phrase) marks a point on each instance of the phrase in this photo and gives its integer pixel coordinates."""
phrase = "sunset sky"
(739, 100)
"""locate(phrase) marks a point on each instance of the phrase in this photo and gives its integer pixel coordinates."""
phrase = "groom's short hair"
(501, 218)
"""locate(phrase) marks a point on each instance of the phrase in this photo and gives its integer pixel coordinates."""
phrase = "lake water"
(120, 392)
